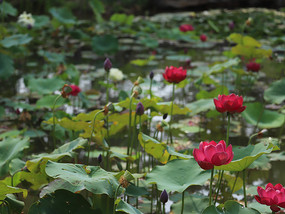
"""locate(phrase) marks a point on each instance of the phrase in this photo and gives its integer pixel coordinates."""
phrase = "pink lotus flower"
(211, 154)
(229, 103)
(75, 90)
(203, 38)
(186, 27)
(273, 196)
(174, 75)
(253, 66)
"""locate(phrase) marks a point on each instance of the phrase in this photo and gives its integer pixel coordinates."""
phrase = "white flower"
(116, 74)
(26, 20)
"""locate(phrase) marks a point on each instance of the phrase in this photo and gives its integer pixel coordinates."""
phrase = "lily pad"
(275, 93)
(16, 40)
(255, 114)
(105, 44)
(177, 175)
(45, 86)
(6, 66)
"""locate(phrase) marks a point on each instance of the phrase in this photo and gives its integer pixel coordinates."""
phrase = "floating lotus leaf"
(178, 175)
(245, 156)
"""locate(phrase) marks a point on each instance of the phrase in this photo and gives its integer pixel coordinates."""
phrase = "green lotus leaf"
(91, 178)
(192, 205)
(127, 208)
(275, 93)
(177, 175)
(5, 189)
(255, 114)
(16, 40)
(245, 156)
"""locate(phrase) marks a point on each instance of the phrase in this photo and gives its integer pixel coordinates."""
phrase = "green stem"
(244, 188)
(114, 208)
(138, 150)
(211, 187)
(234, 183)
(182, 206)
(150, 87)
(228, 128)
(252, 136)
(12, 177)
(152, 197)
(163, 208)
(130, 126)
(107, 100)
(133, 136)
(92, 131)
(53, 121)
(219, 185)
(171, 112)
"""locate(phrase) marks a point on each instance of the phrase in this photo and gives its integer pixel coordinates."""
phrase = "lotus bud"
(100, 159)
(140, 109)
(248, 21)
(151, 75)
(108, 107)
(139, 81)
(125, 179)
(107, 65)
(137, 90)
(164, 197)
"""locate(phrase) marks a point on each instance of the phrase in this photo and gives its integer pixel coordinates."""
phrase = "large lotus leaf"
(178, 175)
(59, 184)
(165, 107)
(231, 180)
(192, 205)
(45, 86)
(244, 40)
(230, 207)
(147, 103)
(92, 178)
(201, 105)
(11, 148)
(6, 66)
(245, 156)
(212, 94)
(48, 101)
(127, 208)
(275, 93)
(62, 201)
(7, 9)
(159, 150)
(38, 164)
(220, 67)
(250, 52)
(105, 44)
(255, 114)
(5, 189)
(52, 56)
(63, 15)
(16, 40)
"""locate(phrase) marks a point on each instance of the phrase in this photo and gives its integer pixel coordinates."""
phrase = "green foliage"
(245, 156)
(15, 40)
(62, 201)
(127, 208)
(106, 44)
(7, 9)
(48, 101)
(91, 178)
(45, 86)
(275, 93)
(201, 105)
(177, 175)
(6, 66)
(98, 9)
(5, 189)
(122, 18)
(192, 205)
(230, 207)
(255, 114)
(63, 15)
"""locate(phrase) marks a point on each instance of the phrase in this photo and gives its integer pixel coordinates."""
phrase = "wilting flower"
(186, 27)
(26, 20)
(203, 38)
(229, 103)
(140, 109)
(75, 90)
(253, 66)
(174, 75)
(107, 64)
(211, 154)
(164, 197)
(116, 74)
(273, 196)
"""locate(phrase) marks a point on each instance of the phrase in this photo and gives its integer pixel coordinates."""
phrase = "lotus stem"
(53, 121)
(244, 188)
(92, 131)
(211, 187)
(171, 112)
(219, 185)
(182, 206)
(115, 198)
(163, 208)
(107, 100)
(130, 129)
(234, 183)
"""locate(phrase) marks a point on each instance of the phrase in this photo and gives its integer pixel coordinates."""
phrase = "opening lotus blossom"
(174, 75)
(273, 196)
(229, 103)
(203, 38)
(212, 154)
(253, 66)
(75, 90)
(186, 27)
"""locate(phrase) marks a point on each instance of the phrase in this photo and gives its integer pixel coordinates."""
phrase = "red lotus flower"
(229, 103)
(174, 75)
(211, 154)
(273, 196)
(75, 90)
(186, 27)
(253, 66)
(203, 38)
